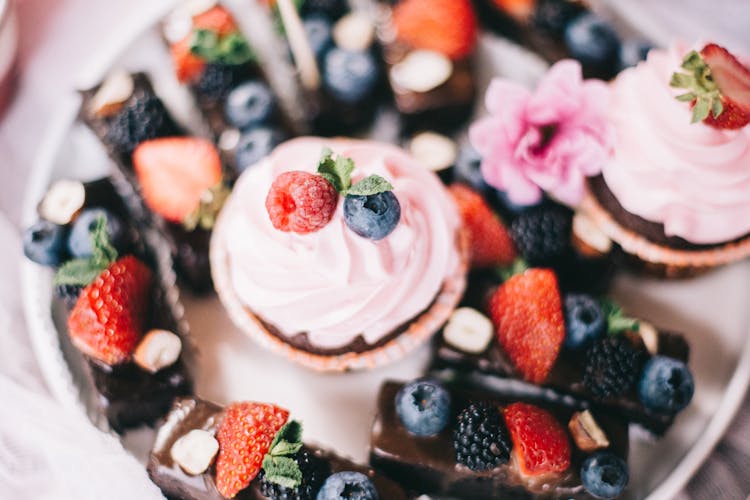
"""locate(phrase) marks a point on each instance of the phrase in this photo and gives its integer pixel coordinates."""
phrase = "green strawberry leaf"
(230, 49)
(701, 110)
(372, 184)
(688, 97)
(337, 171)
(617, 321)
(717, 107)
(517, 267)
(84, 271)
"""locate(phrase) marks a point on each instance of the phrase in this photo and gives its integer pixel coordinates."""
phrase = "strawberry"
(445, 26)
(718, 87)
(107, 319)
(173, 173)
(540, 443)
(245, 435)
(188, 66)
(518, 9)
(216, 19)
(527, 313)
(491, 244)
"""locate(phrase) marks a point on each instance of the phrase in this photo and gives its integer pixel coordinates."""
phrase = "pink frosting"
(334, 284)
(693, 178)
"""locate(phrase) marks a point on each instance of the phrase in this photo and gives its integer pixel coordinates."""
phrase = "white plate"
(337, 409)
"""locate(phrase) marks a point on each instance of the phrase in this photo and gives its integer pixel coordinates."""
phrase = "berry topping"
(527, 314)
(468, 330)
(145, 119)
(217, 80)
(349, 76)
(216, 19)
(249, 104)
(314, 471)
(540, 443)
(44, 243)
(718, 87)
(373, 216)
(553, 16)
(245, 436)
(604, 475)
(612, 367)
(79, 240)
(584, 321)
(188, 67)
(318, 31)
(423, 406)
(348, 484)
(301, 202)
(666, 385)
(254, 145)
(175, 172)
(445, 26)
(542, 234)
(594, 43)
(491, 244)
(481, 439)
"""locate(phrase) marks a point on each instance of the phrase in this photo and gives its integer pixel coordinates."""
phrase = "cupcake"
(675, 194)
(339, 254)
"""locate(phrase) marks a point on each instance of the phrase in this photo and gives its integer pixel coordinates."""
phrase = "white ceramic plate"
(337, 409)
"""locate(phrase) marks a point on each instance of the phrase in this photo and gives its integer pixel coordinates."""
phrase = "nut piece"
(421, 71)
(468, 330)
(355, 31)
(112, 94)
(157, 349)
(435, 151)
(587, 434)
(588, 237)
(195, 451)
(650, 336)
(63, 201)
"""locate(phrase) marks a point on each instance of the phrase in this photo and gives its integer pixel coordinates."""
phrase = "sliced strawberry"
(216, 19)
(445, 26)
(519, 9)
(188, 66)
(491, 244)
(245, 435)
(527, 313)
(107, 320)
(540, 443)
(174, 172)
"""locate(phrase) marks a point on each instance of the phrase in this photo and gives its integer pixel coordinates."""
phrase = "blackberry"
(542, 234)
(68, 294)
(145, 119)
(217, 80)
(314, 471)
(553, 16)
(613, 365)
(481, 439)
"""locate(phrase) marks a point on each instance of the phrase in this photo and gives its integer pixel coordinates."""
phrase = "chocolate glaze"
(190, 413)
(428, 465)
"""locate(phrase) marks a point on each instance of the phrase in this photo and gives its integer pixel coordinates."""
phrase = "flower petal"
(558, 95)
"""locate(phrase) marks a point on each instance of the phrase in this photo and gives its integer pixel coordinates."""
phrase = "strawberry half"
(540, 443)
(527, 313)
(491, 244)
(216, 19)
(718, 87)
(445, 26)
(174, 172)
(188, 67)
(245, 435)
(107, 320)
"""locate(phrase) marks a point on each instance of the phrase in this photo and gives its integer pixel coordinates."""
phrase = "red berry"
(188, 67)
(174, 172)
(491, 245)
(528, 318)
(540, 443)
(216, 19)
(445, 26)
(106, 322)
(733, 80)
(245, 435)
(301, 202)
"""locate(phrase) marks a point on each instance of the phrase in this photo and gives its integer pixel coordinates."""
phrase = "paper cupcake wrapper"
(637, 245)
(419, 331)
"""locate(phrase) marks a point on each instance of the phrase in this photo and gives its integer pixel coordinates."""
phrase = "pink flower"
(548, 140)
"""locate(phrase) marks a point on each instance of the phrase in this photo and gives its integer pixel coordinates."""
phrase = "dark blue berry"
(468, 163)
(318, 29)
(249, 104)
(333, 9)
(666, 385)
(44, 243)
(79, 240)
(348, 485)
(592, 41)
(584, 321)
(604, 475)
(254, 145)
(349, 76)
(633, 51)
(374, 216)
(424, 407)
(553, 16)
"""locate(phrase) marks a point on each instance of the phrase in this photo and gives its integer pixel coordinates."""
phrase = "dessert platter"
(409, 249)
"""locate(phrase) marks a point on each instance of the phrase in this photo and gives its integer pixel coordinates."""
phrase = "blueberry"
(349, 75)
(79, 241)
(468, 163)
(593, 42)
(254, 145)
(604, 475)
(423, 406)
(584, 321)
(374, 216)
(318, 29)
(249, 104)
(44, 243)
(348, 485)
(666, 385)
(553, 16)
(633, 51)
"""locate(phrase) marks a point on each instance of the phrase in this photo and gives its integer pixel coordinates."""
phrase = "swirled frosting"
(692, 178)
(334, 284)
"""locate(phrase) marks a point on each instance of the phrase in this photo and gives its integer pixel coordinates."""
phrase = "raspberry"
(301, 202)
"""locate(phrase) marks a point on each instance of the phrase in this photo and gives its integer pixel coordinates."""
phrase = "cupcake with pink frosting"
(339, 254)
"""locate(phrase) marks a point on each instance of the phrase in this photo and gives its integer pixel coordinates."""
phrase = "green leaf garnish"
(701, 109)
(278, 465)
(229, 49)
(517, 267)
(617, 321)
(337, 171)
(372, 184)
(84, 271)
(211, 202)
(702, 89)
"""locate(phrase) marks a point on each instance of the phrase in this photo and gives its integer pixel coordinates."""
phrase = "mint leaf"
(291, 433)
(282, 470)
(617, 321)
(337, 171)
(103, 252)
(77, 272)
(372, 184)
(230, 49)
(517, 267)
(204, 44)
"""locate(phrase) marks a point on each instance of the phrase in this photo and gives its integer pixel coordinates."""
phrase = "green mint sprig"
(278, 464)
(84, 271)
(229, 49)
(617, 321)
(338, 171)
